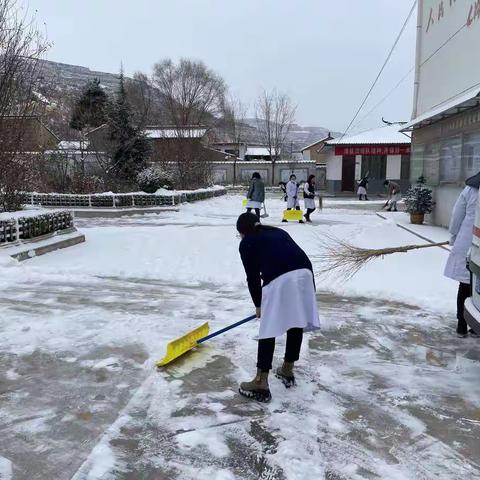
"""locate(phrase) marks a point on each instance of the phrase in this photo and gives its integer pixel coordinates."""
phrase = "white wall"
(445, 197)
(334, 167)
(449, 60)
(394, 167)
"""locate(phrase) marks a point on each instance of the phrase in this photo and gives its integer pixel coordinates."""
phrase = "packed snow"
(385, 390)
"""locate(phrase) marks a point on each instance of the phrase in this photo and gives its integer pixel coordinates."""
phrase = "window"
(375, 166)
(451, 160)
(471, 155)
(405, 168)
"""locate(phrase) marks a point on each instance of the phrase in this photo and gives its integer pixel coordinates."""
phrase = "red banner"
(372, 150)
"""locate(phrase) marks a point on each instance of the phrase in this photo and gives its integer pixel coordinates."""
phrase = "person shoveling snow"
(285, 303)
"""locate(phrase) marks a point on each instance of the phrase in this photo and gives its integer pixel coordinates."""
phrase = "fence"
(119, 200)
(25, 228)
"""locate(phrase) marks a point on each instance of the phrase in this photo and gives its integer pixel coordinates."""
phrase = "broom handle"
(233, 325)
(439, 244)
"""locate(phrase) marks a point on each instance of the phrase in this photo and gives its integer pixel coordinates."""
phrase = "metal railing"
(118, 200)
(26, 228)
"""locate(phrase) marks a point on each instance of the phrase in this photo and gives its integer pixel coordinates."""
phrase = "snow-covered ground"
(385, 389)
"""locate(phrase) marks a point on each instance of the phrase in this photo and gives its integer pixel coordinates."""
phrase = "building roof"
(258, 152)
(324, 139)
(389, 134)
(468, 99)
(173, 132)
(73, 145)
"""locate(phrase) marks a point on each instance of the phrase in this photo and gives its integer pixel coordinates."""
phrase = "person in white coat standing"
(461, 230)
(292, 194)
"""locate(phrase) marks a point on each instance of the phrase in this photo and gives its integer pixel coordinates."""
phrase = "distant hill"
(61, 84)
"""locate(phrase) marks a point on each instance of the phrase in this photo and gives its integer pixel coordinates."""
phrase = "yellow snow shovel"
(293, 215)
(190, 340)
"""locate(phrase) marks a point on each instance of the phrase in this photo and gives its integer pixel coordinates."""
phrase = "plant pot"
(417, 218)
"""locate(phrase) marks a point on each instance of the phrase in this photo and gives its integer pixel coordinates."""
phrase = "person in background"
(362, 188)
(256, 194)
(285, 303)
(394, 195)
(309, 196)
(292, 193)
(461, 230)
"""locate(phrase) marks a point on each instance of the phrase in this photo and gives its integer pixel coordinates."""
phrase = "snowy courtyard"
(385, 389)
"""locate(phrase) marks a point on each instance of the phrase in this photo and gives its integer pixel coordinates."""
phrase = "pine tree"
(130, 148)
(90, 109)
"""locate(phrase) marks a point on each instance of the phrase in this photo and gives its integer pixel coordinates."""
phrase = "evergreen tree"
(130, 147)
(90, 109)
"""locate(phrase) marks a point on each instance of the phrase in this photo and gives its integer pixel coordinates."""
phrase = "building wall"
(240, 172)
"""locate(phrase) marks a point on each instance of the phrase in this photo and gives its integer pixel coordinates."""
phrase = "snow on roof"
(258, 152)
(189, 132)
(315, 143)
(72, 145)
(384, 135)
(467, 99)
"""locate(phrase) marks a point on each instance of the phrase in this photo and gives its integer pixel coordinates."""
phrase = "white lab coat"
(289, 302)
(309, 202)
(461, 227)
(292, 194)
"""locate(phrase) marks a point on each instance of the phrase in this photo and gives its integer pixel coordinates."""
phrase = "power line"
(385, 97)
(383, 67)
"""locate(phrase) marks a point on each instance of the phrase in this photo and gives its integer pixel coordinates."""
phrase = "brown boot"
(257, 389)
(285, 374)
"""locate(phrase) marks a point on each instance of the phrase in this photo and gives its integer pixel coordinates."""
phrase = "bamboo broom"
(347, 259)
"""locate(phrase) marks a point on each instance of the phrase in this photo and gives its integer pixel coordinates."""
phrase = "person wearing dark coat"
(256, 194)
(281, 284)
(362, 188)
(309, 196)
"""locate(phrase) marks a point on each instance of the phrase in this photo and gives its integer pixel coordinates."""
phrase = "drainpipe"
(418, 48)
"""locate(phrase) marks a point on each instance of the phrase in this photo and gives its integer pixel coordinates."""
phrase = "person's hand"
(452, 240)
(258, 312)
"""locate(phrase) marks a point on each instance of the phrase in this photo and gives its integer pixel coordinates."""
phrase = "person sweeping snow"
(285, 303)
(256, 194)
(362, 188)
(461, 229)
(394, 195)
(309, 196)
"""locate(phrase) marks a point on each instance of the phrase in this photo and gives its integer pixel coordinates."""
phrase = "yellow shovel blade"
(293, 215)
(244, 203)
(183, 344)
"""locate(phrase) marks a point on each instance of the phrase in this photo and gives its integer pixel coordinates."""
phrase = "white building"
(446, 111)
(382, 153)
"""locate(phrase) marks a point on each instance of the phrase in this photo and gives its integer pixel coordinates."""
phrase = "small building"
(316, 150)
(445, 121)
(260, 153)
(26, 134)
(382, 153)
(236, 149)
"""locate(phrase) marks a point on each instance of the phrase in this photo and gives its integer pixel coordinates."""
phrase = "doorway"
(348, 173)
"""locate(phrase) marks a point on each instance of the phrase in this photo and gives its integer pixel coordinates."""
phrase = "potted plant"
(419, 201)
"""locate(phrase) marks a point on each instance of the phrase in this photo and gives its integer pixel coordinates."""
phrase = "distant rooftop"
(384, 135)
(258, 152)
(173, 132)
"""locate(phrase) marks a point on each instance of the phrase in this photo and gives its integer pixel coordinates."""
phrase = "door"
(348, 173)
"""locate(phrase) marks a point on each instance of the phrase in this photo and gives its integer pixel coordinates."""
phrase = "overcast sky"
(325, 54)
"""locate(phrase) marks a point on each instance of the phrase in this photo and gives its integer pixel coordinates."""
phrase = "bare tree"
(193, 95)
(275, 113)
(192, 92)
(234, 114)
(21, 46)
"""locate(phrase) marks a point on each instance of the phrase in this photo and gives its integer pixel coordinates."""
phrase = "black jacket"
(267, 254)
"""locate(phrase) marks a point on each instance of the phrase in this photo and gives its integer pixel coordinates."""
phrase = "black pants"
(309, 212)
(257, 211)
(266, 347)
(464, 292)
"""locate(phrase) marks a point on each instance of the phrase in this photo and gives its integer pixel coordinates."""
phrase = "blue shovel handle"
(233, 325)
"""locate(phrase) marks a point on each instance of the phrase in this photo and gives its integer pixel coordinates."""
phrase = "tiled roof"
(389, 134)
